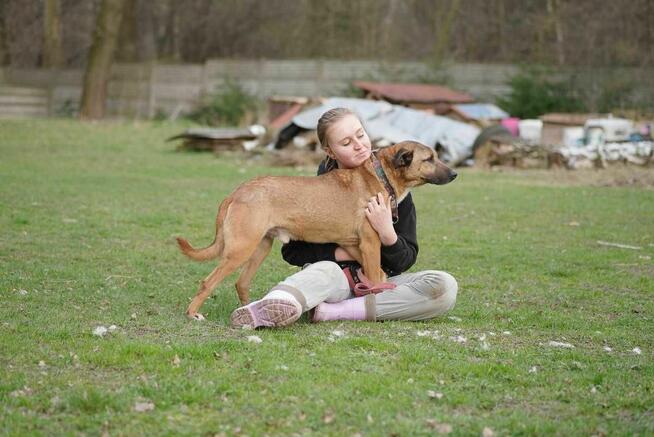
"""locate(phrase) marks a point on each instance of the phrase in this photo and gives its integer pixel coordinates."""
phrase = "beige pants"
(418, 296)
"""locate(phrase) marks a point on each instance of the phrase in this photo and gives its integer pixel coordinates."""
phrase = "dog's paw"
(196, 316)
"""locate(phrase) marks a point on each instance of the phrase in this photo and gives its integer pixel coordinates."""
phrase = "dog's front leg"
(370, 247)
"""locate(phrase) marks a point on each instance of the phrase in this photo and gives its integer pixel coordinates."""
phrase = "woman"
(323, 286)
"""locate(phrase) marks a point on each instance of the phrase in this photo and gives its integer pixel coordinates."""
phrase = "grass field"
(88, 214)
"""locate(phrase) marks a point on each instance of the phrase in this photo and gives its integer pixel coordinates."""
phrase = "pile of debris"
(566, 140)
(496, 146)
(462, 131)
(220, 139)
(601, 155)
(386, 124)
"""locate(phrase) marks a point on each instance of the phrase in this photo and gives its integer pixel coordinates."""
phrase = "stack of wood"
(495, 146)
(217, 139)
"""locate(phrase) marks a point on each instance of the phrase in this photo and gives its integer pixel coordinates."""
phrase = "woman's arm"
(400, 256)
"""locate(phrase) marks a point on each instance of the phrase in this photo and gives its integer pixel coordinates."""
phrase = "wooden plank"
(18, 100)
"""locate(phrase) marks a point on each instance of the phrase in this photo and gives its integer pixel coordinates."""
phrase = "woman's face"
(348, 142)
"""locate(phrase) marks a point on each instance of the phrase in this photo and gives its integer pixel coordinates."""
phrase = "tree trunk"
(147, 39)
(126, 51)
(53, 53)
(4, 48)
(553, 12)
(443, 32)
(101, 55)
(172, 44)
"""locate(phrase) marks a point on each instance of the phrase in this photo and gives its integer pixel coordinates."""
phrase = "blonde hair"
(327, 120)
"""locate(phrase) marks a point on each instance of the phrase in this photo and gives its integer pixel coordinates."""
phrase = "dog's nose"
(453, 175)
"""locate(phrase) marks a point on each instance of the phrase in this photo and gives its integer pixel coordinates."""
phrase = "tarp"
(386, 122)
(481, 111)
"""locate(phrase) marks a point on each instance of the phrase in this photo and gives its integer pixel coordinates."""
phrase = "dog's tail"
(214, 250)
(210, 252)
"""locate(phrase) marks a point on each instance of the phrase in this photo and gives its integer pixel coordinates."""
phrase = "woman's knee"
(329, 267)
(442, 284)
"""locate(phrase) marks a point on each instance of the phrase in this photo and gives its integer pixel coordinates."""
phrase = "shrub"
(227, 106)
(535, 92)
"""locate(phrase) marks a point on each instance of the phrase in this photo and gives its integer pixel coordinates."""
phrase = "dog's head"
(418, 164)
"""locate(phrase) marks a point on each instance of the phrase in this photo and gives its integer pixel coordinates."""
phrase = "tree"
(101, 55)
(53, 54)
(4, 53)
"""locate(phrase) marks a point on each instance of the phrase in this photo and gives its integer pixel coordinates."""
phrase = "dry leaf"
(25, 391)
(100, 331)
(487, 432)
(434, 394)
(328, 418)
(142, 407)
(254, 339)
(561, 344)
(440, 428)
(176, 361)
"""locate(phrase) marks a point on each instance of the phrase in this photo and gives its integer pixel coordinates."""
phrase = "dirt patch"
(613, 176)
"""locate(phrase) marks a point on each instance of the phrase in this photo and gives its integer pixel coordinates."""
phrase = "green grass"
(88, 214)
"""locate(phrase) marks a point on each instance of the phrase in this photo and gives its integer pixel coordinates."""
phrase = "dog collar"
(379, 170)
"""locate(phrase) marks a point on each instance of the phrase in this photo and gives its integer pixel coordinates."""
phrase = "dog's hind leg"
(226, 267)
(241, 237)
(234, 256)
(250, 268)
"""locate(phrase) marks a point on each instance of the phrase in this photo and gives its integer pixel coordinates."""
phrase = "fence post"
(152, 98)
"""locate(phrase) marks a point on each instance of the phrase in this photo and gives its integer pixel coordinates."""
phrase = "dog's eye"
(430, 159)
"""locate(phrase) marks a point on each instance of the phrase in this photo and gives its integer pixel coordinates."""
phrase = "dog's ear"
(402, 158)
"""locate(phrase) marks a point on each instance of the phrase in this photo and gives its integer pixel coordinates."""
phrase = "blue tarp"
(481, 111)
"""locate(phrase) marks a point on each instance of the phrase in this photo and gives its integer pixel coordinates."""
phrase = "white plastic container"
(607, 130)
(573, 136)
(531, 131)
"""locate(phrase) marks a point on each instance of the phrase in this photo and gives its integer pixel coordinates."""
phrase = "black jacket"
(395, 259)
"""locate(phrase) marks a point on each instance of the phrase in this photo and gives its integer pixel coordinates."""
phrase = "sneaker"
(265, 312)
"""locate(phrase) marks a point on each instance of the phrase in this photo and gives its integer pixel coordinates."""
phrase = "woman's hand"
(380, 216)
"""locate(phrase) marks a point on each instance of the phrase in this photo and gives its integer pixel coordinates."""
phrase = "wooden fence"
(148, 90)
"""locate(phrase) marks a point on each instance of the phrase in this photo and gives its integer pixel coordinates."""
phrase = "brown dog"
(326, 208)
